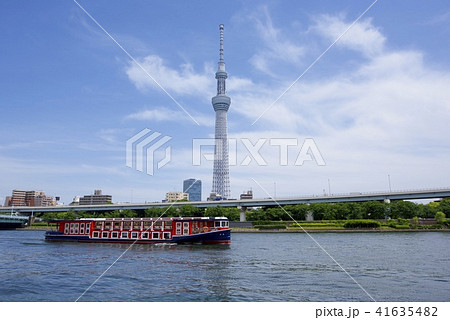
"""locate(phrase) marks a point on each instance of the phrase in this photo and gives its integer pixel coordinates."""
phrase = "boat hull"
(11, 225)
(212, 237)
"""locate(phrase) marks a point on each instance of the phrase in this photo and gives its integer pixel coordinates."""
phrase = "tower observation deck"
(221, 103)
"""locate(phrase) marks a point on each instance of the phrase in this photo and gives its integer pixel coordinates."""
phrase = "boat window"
(178, 227)
(66, 228)
(124, 234)
(107, 225)
(166, 235)
(144, 235)
(216, 224)
(104, 234)
(81, 228)
(114, 235)
(147, 225)
(155, 235)
(168, 225)
(98, 224)
(134, 235)
(224, 223)
(95, 234)
(136, 225)
(126, 225)
(157, 225)
(88, 227)
(185, 227)
(117, 225)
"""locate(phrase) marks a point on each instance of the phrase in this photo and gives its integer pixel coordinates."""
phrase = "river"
(413, 266)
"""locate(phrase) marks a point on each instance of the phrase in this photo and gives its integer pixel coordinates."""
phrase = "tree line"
(352, 210)
(319, 211)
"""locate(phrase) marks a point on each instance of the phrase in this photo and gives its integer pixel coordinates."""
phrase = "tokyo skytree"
(221, 102)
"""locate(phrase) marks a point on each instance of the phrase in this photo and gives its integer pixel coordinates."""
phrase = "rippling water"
(255, 267)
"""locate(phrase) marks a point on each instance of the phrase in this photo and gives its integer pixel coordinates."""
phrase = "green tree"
(427, 210)
(153, 212)
(374, 210)
(355, 210)
(126, 213)
(214, 211)
(189, 210)
(256, 215)
(440, 217)
(444, 206)
(298, 212)
(233, 214)
(319, 210)
(403, 209)
(276, 214)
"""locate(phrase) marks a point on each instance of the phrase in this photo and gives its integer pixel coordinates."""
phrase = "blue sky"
(377, 104)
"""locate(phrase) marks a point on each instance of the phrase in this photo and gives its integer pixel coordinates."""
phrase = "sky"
(316, 107)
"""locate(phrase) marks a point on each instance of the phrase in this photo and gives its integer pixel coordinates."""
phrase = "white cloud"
(156, 114)
(277, 48)
(362, 36)
(184, 81)
(163, 114)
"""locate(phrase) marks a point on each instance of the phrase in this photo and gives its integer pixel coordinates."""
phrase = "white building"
(176, 196)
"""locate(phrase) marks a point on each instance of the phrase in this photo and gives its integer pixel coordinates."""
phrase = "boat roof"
(145, 219)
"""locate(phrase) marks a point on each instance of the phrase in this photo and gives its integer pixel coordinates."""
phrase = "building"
(221, 103)
(96, 198)
(177, 196)
(246, 195)
(33, 198)
(8, 201)
(214, 197)
(194, 188)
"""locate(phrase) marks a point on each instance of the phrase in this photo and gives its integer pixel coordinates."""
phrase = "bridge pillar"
(243, 211)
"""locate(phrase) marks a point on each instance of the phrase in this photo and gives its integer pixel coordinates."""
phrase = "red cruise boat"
(143, 230)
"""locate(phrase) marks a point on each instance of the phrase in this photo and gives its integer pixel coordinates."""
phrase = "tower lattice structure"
(221, 103)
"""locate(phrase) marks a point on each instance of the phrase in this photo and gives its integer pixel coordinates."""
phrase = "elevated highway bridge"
(247, 203)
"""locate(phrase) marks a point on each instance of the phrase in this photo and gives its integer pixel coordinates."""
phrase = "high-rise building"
(21, 198)
(194, 188)
(96, 198)
(221, 103)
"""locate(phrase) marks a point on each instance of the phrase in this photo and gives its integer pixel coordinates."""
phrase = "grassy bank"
(361, 225)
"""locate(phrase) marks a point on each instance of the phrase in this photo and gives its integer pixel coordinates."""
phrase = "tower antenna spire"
(221, 43)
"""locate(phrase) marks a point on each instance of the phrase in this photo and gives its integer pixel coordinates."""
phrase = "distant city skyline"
(376, 104)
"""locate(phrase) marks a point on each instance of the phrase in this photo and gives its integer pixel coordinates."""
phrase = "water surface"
(255, 267)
